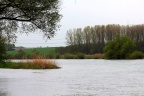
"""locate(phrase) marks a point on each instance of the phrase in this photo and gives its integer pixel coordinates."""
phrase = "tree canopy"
(92, 39)
(29, 15)
(119, 48)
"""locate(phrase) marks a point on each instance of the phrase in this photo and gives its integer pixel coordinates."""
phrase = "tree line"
(91, 40)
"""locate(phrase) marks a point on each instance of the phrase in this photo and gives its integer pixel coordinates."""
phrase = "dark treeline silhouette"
(91, 40)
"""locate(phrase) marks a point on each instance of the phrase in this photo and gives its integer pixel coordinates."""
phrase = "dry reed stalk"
(40, 63)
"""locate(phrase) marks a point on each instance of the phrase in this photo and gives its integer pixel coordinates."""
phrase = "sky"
(82, 13)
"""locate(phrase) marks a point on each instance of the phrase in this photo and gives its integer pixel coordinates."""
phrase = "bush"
(119, 48)
(80, 56)
(136, 55)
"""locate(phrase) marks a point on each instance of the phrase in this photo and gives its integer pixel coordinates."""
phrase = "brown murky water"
(77, 78)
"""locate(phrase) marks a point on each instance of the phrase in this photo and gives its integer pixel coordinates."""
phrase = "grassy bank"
(45, 51)
(33, 64)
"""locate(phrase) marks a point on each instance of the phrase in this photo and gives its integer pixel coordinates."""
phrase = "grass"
(50, 53)
(32, 64)
(45, 50)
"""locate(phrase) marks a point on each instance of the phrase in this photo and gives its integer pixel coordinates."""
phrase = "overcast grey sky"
(81, 13)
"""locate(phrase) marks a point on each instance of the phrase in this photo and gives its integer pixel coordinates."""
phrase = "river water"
(77, 78)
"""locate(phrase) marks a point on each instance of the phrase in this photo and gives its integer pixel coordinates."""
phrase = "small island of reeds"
(31, 64)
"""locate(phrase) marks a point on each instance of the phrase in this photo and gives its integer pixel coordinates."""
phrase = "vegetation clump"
(119, 48)
(38, 63)
(136, 55)
(68, 56)
(96, 56)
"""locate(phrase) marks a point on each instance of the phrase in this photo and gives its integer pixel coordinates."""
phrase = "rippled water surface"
(77, 78)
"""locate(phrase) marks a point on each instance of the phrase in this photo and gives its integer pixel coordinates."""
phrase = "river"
(77, 78)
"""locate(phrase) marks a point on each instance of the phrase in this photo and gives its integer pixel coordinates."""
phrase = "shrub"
(80, 56)
(136, 55)
(119, 48)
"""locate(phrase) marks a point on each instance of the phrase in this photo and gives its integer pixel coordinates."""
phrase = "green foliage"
(119, 48)
(136, 55)
(29, 15)
(92, 39)
(2, 49)
(80, 56)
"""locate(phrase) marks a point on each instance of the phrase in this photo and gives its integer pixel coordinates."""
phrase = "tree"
(92, 40)
(119, 48)
(2, 49)
(29, 15)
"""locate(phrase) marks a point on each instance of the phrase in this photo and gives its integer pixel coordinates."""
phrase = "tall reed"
(37, 63)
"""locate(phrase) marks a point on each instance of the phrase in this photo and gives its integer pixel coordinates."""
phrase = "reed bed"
(31, 64)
